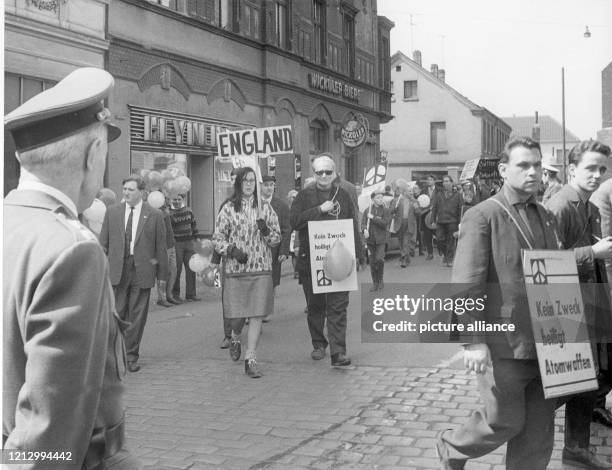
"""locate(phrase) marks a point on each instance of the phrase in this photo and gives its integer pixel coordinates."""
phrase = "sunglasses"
(324, 172)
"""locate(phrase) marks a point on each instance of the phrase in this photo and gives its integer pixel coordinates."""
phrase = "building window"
(334, 58)
(319, 137)
(398, 68)
(384, 64)
(250, 21)
(282, 25)
(304, 48)
(348, 37)
(410, 90)
(19, 89)
(319, 28)
(438, 136)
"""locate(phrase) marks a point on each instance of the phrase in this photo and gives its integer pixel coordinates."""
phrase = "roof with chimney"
(550, 129)
(400, 57)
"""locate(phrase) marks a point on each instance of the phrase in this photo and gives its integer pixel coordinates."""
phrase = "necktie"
(128, 233)
(529, 215)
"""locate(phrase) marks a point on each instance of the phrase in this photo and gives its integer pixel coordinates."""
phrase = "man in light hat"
(63, 349)
(550, 178)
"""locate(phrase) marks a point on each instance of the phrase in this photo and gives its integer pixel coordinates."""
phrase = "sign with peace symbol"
(375, 175)
(538, 271)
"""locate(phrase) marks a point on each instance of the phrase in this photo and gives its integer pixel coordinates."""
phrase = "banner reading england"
(332, 256)
(558, 321)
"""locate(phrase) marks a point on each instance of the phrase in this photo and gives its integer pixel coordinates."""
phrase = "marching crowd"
(71, 333)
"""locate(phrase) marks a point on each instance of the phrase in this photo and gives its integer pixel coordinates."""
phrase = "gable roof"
(550, 129)
(403, 58)
(400, 57)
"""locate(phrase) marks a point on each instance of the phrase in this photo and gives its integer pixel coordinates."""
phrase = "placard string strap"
(515, 222)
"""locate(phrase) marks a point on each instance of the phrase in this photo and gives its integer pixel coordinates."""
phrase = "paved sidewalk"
(203, 413)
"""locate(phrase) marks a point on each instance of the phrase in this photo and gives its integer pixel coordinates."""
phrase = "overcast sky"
(506, 55)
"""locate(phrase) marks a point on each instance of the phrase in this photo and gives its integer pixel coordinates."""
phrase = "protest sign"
(322, 236)
(469, 169)
(264, 141)
(558, 322)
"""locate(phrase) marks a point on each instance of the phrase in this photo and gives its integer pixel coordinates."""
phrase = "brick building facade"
(186, 70)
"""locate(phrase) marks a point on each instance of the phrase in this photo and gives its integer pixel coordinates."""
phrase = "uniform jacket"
(578, 225)
(150, 256)
(281, 208)
(305, 208)
(64, 356)
(488, 260)
(378, 225)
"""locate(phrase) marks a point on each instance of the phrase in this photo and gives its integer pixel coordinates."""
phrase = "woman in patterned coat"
(244, 234)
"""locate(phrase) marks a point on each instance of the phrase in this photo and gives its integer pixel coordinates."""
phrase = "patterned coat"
(240, 229)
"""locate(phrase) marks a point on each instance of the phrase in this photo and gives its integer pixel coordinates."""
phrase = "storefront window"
(158, 161)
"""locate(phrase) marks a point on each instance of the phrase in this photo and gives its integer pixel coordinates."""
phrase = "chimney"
(442, 75)
(434, 70)
(416, 56)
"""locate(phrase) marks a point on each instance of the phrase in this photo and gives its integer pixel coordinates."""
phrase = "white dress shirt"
(135, 218)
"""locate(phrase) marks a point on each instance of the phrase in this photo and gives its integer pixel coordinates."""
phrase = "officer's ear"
(93, 150)
(571, 170)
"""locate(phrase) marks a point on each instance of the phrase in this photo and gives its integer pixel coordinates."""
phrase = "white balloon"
(197, 263)
(156, 199)
(423, 200)
(94, 215)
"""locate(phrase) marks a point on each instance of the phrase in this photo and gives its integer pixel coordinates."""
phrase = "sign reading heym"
(261, 141)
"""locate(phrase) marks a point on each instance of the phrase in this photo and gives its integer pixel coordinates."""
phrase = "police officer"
(63, 350)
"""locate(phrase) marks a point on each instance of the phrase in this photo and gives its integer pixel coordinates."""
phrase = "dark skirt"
(248, 295)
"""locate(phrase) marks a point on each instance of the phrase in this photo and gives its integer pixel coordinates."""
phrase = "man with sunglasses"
(324, 200)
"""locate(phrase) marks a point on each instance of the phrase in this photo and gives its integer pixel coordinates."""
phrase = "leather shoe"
(174, 301)
(133, 367)
(340, 360)
(234, 349)
(225, 343)
(193, 299)
(164, 303)
(602, 416)
(442, 450)
(251, 369)
(317, 354)
(584, 458)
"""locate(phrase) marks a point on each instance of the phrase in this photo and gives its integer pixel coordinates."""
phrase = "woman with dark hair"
(244, 233)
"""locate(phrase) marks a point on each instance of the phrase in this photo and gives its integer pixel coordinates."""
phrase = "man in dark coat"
(489, 260)
(324, 200)
(280, 252)
(134, 238)
(446, 214)
(578, 221)
(63, 350)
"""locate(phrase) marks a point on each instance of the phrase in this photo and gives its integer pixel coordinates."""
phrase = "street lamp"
(587, 34)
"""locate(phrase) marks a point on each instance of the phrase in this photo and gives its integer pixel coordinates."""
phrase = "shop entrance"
(202, 192)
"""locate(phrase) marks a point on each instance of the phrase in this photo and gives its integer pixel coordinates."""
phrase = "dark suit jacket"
(378, 226)
(488, 259)
(64, 356)
(150, 256)
(578, 228)
(283, 213)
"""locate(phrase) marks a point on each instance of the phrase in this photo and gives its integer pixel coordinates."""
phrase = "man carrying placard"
(489, 259)
(578, 221)
(324, 201)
